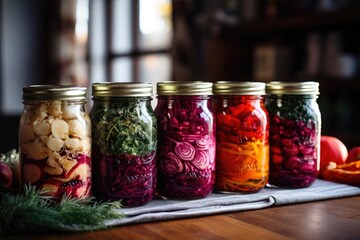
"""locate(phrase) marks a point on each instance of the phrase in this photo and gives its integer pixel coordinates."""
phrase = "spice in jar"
(55, 140)
(295, 125)
(242, 131)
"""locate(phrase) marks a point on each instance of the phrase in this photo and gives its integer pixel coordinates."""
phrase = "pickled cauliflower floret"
(42, 128)
(41, 112)
(86, 144)
(73, 144)
(55, 108)
(60, 129)
(70, 111)
(77, 128)
(55, 143)
(53, 160)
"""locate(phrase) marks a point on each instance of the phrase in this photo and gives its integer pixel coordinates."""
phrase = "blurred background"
(86, 41)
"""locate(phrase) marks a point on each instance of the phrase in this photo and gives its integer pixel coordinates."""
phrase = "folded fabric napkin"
(165, 209)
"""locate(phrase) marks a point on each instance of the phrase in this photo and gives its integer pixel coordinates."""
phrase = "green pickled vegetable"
(292, 107)
(124, 128)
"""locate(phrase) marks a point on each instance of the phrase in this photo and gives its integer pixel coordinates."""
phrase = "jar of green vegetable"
(295, 128)
(124, 143)
(186, 151)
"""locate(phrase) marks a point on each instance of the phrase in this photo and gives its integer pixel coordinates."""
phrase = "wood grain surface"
(330, 219)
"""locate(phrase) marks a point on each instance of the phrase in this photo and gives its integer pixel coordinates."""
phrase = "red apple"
(354, 154)
(331, 150)
(6, 175)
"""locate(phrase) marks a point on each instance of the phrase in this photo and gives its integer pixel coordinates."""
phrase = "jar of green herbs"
(124, 142)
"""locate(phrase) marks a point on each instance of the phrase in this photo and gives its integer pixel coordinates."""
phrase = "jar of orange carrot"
(242, 146)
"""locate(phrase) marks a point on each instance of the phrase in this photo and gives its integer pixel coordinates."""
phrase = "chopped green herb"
(123, 127)
(292, 107)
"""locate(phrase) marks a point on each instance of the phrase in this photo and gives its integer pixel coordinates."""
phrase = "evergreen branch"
(31, 211)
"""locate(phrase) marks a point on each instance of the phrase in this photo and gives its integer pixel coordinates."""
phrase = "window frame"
(135, 53)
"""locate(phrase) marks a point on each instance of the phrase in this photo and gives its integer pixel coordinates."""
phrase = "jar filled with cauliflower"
(55, 140)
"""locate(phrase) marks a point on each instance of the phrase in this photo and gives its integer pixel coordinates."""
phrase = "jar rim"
(122, 89)
(53, 92)
(239, 88)
(189, 88)
(292, 88)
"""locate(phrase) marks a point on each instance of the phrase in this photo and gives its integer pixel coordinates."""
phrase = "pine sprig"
(31, 211)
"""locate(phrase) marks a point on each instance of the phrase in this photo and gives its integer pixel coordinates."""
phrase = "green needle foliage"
(31, 211)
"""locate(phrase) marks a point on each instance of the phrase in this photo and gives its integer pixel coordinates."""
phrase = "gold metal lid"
(184, 88)
(292, 88)
(239, 88)
(122, 89)
(54, 92)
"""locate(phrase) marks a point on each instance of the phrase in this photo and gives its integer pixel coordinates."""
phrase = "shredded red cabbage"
(126, 177)
(294, 152)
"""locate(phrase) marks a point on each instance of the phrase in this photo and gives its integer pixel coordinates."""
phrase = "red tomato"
(354, 154)
(331, 150)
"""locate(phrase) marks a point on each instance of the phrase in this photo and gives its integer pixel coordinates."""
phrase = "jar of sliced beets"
(124, 132)
(242, 132)
(295, 128)
(186, 135)
(55, 140)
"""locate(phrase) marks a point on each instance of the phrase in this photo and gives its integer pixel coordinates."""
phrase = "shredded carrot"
(242, 148)
(242, 170)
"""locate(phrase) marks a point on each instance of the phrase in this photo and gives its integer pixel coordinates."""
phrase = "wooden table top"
(329, 219)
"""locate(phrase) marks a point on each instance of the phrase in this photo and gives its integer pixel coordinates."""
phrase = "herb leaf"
(124, 126)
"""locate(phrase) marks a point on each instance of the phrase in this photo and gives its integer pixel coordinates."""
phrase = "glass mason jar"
(55, 140)
(242, 132)
(186, 135)
(295, 128)
(124, 132)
